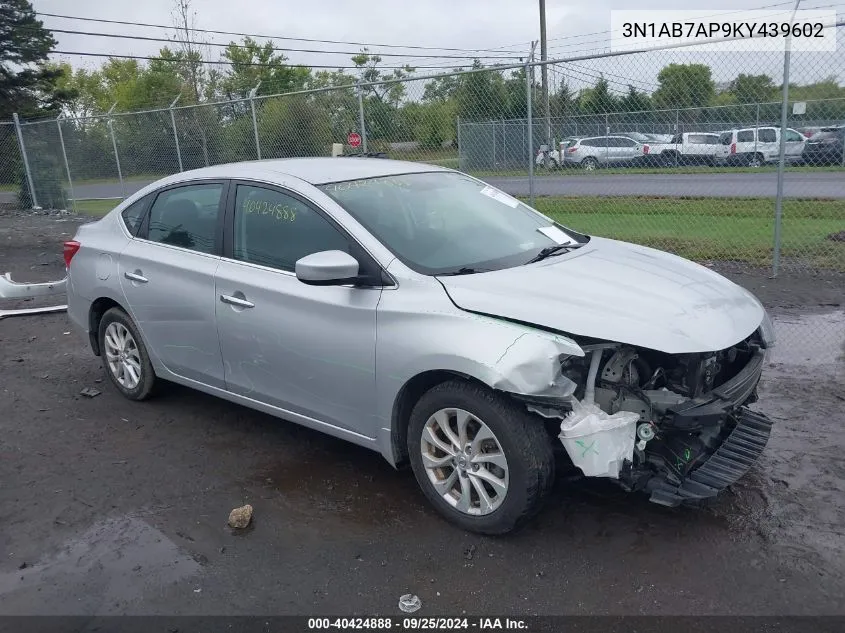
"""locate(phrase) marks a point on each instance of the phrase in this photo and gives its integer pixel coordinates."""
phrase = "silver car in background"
(423, 314)
(597, 151)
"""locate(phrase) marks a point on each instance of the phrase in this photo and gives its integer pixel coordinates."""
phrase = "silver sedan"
(423, 314)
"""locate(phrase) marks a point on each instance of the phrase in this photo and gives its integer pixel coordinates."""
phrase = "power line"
(275, 37)
(274, 48)
(225, 63)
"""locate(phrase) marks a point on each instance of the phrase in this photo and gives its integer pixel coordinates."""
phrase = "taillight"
(572, 150)
(646, 148)
(70, 249)
(733, 148)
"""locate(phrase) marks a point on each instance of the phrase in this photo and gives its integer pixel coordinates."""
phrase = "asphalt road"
(722, 185)
(114, 507)
(742, 185)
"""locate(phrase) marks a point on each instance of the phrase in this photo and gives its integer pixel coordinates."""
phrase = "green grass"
(96, 208)
(738, 229)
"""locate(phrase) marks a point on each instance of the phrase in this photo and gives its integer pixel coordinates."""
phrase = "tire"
(756, 160)
(589, 164)
(521, 440)
(115, 320)
(670, 159)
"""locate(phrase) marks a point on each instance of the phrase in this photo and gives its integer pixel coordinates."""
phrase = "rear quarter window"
(134, 214)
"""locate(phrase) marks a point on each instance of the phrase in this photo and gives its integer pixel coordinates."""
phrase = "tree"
(684, 86)
(598, 99)
(442, 89)
(27, 82)
(562, 101)
(634, 101)
(752, 89)
(253, 63)
(369, 72)
(480, 95)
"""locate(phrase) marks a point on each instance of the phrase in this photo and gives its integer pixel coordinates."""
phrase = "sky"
(573, 28)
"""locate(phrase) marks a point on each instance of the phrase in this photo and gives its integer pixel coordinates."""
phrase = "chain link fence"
(671, 148)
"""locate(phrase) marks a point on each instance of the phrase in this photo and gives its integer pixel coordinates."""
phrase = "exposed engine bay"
(694, 435)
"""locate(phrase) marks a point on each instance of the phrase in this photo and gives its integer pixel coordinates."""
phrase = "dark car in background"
(825, 147)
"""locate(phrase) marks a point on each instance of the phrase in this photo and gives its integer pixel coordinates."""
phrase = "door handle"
(236, 301)
(136, 277)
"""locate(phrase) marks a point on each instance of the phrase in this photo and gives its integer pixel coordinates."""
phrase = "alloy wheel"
(122, 355)
(464, 461)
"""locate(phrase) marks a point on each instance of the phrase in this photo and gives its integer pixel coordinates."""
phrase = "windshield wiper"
(466, 270)
(552, 250)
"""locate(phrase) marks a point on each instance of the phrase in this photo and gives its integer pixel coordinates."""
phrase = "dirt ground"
(114, 507)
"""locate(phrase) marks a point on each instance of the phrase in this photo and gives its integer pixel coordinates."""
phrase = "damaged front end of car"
(695, 434)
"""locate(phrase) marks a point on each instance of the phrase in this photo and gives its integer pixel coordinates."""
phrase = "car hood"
(618, 292)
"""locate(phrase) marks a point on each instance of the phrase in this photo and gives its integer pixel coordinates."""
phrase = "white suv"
(755, 147)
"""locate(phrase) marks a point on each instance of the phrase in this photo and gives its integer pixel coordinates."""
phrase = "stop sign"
(354, 139)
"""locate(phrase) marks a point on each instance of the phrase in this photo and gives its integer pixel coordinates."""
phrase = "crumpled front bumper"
(734, 456)
(725, 466)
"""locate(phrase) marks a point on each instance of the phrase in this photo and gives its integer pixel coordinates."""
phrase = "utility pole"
(545, 81)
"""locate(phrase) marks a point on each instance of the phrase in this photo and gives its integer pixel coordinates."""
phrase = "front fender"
(412, 340)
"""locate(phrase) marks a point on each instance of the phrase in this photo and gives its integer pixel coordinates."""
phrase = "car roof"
(316, 171)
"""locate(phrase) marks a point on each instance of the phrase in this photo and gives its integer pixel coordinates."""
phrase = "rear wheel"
(481, 460)
(589, 164)
(125, 357)
(756, 160)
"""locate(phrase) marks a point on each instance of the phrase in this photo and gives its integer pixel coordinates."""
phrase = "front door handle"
(136, 277)
(236, 301)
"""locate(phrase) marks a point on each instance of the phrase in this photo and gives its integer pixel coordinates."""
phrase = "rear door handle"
(136, 277)
(236, 301)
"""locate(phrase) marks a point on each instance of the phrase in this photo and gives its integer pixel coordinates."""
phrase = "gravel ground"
(114, 507)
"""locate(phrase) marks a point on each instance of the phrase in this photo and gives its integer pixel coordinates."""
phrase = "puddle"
(351, 484)
(115, 563)
(809, 340)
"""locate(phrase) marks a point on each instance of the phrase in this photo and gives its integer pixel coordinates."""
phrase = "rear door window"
(187, 216)
(745, 136)
(726, 138)
(767, 135)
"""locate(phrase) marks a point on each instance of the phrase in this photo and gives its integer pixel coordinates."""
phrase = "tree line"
(420, 111)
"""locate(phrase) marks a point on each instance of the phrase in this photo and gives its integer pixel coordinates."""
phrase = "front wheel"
(481, 460)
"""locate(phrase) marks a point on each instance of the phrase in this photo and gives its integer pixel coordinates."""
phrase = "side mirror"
(327, 268)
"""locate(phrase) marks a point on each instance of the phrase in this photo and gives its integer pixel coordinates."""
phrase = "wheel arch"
(95, 314)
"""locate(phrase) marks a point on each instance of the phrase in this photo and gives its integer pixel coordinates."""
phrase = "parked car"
(689, 148)
(755, 147)
(594, 151)
(554, 154)
(826, 147)
(423, 314)
(641, 137)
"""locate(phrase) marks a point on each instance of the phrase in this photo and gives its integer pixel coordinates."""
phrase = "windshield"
(446, 223)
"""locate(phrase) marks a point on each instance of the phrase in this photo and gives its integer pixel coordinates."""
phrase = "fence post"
(361, 122)
(252, 94)
(782, 144)
(175, 133)
(458, 131)
(67, 165)
(756, 129)
(529, 71)
(25, 160)
(114, 145)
